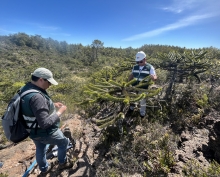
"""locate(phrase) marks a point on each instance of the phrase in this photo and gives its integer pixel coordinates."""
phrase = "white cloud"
(4, 31)
(199, 10)
(179, 6)
(206, 6)
(181, 23)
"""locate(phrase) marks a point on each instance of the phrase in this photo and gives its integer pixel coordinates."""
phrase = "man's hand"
(61, 107)
(153, 77)
(58, 104)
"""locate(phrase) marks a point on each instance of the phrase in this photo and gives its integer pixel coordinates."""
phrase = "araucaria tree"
(96, 46)
(109, 91)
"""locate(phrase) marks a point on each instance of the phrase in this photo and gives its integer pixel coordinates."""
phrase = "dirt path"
(18, 158)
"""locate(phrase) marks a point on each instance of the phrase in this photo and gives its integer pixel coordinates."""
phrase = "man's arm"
(40, 109)
(153, 74)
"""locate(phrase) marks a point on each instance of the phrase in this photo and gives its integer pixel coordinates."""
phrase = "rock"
(185, 136)
(139, 128)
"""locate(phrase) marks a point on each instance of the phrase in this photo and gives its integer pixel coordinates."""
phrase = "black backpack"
(13, 123)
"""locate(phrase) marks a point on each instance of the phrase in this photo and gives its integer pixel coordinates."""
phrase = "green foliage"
(188, 105)
(97, 76)
(3, 175)
(109, 121)
(159, 146)
(3, 138)
(203, 102)
(112, 172)
(186, 66)
(106, 87)
(113, 91)
(69, 92)
(149, 152)
(162, 76)
(7, 90)
(187, 96)
(194, 169)
(163, 154)
(195, 119)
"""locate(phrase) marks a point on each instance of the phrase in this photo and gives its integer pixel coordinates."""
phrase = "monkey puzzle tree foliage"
(108, 88)
(185, 66)
(187, 86)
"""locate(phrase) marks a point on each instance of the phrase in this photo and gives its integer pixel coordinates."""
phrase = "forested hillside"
(20, 54)
(93, 78)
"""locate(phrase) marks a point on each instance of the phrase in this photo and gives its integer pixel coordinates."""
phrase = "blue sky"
(117, 23)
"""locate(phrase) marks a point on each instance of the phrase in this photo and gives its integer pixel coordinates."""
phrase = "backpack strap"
(25, 93)
(29, 91)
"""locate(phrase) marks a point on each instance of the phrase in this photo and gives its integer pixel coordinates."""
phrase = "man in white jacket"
(139, 72)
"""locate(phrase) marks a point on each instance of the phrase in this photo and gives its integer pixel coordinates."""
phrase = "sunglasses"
(47, 81)
(139, 61)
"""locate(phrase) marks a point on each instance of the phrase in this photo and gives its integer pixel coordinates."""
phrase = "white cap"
(45, 74)
(140, 56)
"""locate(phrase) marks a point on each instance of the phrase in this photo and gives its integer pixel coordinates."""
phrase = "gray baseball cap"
(45, 74)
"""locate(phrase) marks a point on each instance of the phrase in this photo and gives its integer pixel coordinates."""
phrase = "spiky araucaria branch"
(114, 91)
(109, 121)
(186, 64)
(105, 87)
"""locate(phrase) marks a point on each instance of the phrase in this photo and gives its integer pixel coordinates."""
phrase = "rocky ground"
(200, 144)
(17, 158)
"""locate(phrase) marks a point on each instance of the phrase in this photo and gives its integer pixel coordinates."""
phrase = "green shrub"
(194, 169)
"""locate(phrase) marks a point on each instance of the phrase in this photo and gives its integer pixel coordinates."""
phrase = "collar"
(32, 86)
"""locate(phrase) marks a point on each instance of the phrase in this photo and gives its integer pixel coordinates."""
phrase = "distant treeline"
(85, 54)
(21, 53)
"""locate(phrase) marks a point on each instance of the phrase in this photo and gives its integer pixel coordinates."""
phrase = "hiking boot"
(129, 112)
(67, 164)
(67, 133)
(48, 169)
(43, 174)
(142, 114)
